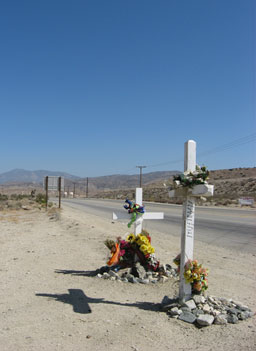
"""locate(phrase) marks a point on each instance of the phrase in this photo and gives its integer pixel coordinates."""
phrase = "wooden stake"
(59, 192)
(46, 189)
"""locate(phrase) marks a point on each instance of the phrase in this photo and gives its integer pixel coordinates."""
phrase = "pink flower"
(124, 244)
(122, 252)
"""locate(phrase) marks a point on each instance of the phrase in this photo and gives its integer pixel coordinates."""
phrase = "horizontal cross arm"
(153, 215)
(203, 190)
(121, 215)
(147, 215)
(197, 190)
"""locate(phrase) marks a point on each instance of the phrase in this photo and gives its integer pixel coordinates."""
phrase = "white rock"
(174, 311)
(205, 319)
(190, 304)
(220, 319)
(211, 299)
(163, 279)
(215, 312)
(207, 308)
(113, 274)
(199, 299)
(105, 275)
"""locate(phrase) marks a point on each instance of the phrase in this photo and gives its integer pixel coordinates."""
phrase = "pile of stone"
(138, 274)
(206, 310)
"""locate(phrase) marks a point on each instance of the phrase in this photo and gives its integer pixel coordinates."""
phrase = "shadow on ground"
(81, 273)
(80, 301)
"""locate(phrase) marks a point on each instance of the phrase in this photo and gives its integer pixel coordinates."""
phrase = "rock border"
(138, 274)
(203, 310)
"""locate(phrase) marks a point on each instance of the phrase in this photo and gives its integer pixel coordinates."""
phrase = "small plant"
(19, 196)
(41, 198)
(3, 197)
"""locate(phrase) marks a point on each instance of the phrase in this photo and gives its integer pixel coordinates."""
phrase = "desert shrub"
(41, 198)
(19, 196)
(3, 197)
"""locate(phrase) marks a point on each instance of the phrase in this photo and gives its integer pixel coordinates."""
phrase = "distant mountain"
(118, 181)
(24, 176)
(229, 186)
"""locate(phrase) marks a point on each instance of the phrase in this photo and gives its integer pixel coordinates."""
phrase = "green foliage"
(189, 179)
(109, 243)
(3, 197)
(18, 197)
(41, 198)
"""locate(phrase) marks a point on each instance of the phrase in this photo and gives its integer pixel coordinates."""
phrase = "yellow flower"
(152, 250)
(131, 238)
(144, 240)
(145, 249)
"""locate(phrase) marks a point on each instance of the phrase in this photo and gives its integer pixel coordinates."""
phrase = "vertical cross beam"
(187, 235)
(138, 222)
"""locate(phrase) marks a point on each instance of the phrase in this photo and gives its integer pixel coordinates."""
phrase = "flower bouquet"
(194, 274)
(189, 179)
(126, 253)
(134, 209)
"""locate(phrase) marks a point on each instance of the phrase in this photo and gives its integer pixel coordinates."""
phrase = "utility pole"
(87, 187)
(74, 191)
(46, 190)
(59, 188)
(140, 167)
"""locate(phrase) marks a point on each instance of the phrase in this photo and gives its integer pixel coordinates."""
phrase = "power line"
(230, 145)
(235, 143)
(238, 142)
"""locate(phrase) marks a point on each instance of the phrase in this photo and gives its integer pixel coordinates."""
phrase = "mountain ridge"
(115, 181)
(19, 175)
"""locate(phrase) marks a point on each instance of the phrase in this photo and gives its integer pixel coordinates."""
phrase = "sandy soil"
(50, 301)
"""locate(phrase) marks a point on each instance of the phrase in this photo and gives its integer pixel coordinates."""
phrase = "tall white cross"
(140, 218)
(187, 233)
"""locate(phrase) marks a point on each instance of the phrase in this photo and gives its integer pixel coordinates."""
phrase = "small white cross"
(187, 233)
(140, 218)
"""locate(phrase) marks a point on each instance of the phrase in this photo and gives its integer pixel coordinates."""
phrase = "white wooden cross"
(187, 233)
(140, 218)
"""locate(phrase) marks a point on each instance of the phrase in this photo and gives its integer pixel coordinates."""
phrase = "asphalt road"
(225, 227)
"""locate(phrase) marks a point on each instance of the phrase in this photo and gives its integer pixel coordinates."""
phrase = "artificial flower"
(131, 238)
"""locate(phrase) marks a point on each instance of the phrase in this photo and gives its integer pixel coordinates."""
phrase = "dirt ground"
(50, 301)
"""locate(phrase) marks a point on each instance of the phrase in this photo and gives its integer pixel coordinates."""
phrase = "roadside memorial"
(191, 184)
(193, 305)
(135, 252)
(133, 259)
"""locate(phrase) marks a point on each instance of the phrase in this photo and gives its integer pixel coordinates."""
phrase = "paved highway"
(225, 227)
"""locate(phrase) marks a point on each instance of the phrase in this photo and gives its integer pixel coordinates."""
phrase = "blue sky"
(96, 87)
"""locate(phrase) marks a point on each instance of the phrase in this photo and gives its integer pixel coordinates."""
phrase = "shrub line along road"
(232, 228)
